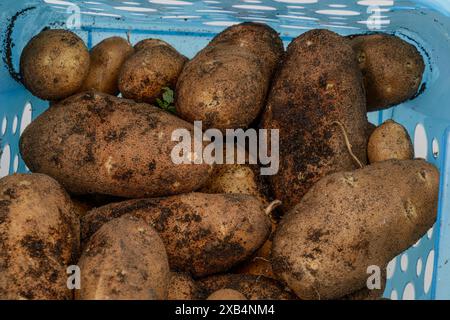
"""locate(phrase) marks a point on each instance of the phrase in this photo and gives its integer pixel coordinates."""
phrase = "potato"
(351, 220)
(182, 287)
(390, 141)
(151, 68)
(107, 58)
(54, 64)
(226, 294)
(203, 233)
(252, 287)
(369, 294)
(39, 238)
(125, 259)
(226, 83)
(97, 143)
(151, 43)
(315, 109)
(392, 69)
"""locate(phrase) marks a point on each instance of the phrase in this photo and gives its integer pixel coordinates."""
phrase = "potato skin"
(392, 69)
(68, 67)
(39, 238)
(305, 106)
(125, 259)
(107, 58)
(97, 143)
(226, 294)
(225, 84)
(349, 221)
(390, 141)
(151, 68)
(203, 233)
(182, 287)
(252, 287)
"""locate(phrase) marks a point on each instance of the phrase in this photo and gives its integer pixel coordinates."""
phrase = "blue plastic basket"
(423, 271)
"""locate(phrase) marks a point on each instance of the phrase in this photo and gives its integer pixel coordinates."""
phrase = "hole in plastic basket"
(430, 233)
(390, 270)
(339, 12)
(404, 262)
(394, 295)
(16, 163)
(4, 125)
(376, 2)
(409, 292)
(435, 147)
(428, 271)
(26, 117)
(4, 161)
(419, 267)
(420, 142)
(14, 125)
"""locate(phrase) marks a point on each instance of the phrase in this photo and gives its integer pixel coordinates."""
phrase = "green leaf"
(168, 95)
(160, 102)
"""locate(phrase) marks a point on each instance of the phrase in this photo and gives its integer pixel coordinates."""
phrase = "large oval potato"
(54, 64)
(107, 58)
(252, 287)
(203, 233)
(225, 84)
(152, 67)
(349, 221)
(97, 143)
(392, 69)
(312, 107)
(125, 259)
(39, 238)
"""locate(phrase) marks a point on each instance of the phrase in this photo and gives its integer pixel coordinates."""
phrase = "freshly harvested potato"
(252, 287)
(369, 294)
(226, 294)
(349, 221)
(107, 59)
(390, 141)
(392, 69)
(125, 259)
(226, 83)
(151, 43)
(152, 67)
(39, 238)
(182, 287)
(97, 143)
(54, 64)
(316, 108)
(203, 233)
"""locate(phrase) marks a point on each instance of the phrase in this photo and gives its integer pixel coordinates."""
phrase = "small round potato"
(181, 287)
(392, 69)
(151, 68)
(54, 64)
(226, 294)
(107, 58)
(390, 141)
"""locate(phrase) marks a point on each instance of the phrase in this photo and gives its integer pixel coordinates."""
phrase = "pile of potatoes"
(105, 196)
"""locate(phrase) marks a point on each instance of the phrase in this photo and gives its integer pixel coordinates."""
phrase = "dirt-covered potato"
(203, 233)
(226, 294)
(54, 64)
(225, 84)
(390, 141)
(352, 220)
(125, 259)
(153, 66)
(39, 238)
(252, 287)
(392, 69)
(97, 143)
(316, 108)
(182, 287)
(369, 294)
(107, 58)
